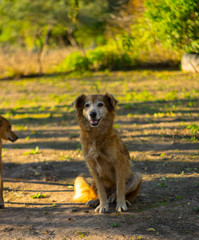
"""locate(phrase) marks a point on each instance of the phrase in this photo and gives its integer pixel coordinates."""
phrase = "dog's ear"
(79, 101)
(111, 101)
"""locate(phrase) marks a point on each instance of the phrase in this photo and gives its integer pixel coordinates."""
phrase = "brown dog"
(6, 134)
(106, 155)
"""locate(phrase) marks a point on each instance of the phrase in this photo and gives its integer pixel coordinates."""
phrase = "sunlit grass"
(155, 95)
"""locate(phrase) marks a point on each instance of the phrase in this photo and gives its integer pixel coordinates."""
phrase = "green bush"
(74, 62)
(176, 22)
(100, 58)
(108, 57)
(143, 44)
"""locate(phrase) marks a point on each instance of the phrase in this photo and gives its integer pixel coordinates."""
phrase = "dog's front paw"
(102, 208)
(121, 206)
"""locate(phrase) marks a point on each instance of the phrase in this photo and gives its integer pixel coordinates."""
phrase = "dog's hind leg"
(93, 203)
(111, 194)
(112, 198)
(133, 187)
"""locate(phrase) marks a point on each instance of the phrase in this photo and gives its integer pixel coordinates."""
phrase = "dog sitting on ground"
(6, 134)
(106, 155)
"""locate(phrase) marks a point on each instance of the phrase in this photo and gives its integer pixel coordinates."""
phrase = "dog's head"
(95, 108)
(6, 132)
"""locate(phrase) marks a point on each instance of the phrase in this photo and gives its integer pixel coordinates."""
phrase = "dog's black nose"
(93, 114)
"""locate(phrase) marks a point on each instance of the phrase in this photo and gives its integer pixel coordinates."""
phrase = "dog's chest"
(97, 152)
(93, 151)
(100, 159)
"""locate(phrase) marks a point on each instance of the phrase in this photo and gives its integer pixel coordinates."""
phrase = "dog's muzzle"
(93, 120)
(13, 139)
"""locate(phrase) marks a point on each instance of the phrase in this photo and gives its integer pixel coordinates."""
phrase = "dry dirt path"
(47, 158)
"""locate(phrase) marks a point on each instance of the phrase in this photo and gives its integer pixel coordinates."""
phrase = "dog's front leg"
(1, 185)
(103, 206)
(120, 189)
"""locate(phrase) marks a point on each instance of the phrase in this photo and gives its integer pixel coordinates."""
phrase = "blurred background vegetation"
(52, 36)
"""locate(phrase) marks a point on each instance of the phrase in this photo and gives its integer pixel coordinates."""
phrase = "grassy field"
(157, 118)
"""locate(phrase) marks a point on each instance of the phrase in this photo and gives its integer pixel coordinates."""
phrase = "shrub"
(108, 58)
(74, 62)
(176, 22)
(100, 58)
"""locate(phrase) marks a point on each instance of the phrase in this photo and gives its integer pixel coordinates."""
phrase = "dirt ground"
(47, 157)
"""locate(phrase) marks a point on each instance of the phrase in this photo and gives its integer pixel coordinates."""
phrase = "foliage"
(100, 58)
(162, 182)
(104, 27)
(114, 225)
(28, 24)
(74, 61)
(194, 128)
(196, 209)
(39, 195)
(33, 151)
(36, 23)
(176, 22)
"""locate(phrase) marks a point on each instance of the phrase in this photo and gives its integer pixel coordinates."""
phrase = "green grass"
(194, 129)
(33, 151)
(196, 209)
(114, 225)
(39, 195)
(151, 205)
(47, 93)
(146, 96)
(179, 197)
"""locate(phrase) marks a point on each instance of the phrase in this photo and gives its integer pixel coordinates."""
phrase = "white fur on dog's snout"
(100, 112)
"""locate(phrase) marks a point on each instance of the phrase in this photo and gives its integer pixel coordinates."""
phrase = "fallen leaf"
(151, 230)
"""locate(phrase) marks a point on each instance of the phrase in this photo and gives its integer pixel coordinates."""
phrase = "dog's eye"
(87, 105)
(100, 105)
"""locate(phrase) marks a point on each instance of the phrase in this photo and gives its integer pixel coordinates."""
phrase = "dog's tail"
(83, 192)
